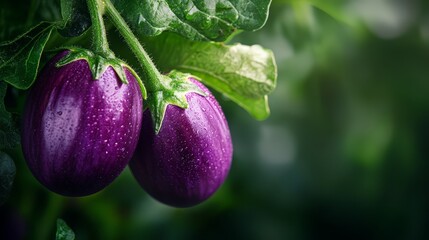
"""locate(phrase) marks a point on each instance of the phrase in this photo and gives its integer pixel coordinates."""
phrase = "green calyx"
(101, 57)
(98, 65)
(172, 89)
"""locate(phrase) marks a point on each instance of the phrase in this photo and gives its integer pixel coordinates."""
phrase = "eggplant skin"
(190, 157)
(80, 133)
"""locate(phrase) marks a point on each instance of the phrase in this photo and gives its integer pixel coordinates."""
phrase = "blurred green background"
(343, 155)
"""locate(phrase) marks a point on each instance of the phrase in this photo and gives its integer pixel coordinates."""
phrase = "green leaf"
(196, 20)
(76, 18)
(7, 175)
(9, 135)
(258, 107)
(245, 74)
(174, 88)
(64, 232)
(20, 58)
(249, 71)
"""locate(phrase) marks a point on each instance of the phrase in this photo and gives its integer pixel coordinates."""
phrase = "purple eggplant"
(80, 133)
(190, 157)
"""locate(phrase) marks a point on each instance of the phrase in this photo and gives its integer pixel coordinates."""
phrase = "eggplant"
(190, 157)
(80, 133)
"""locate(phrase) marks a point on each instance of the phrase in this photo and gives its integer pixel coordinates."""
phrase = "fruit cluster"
(79, 133)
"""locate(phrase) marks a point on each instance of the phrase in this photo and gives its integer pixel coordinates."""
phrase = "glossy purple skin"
(191, 155)
(79, 133)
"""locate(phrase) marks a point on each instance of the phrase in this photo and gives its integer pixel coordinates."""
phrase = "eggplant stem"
(153, 77)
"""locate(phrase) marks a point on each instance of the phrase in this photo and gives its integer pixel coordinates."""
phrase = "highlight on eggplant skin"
(190, 157)
(80, 133)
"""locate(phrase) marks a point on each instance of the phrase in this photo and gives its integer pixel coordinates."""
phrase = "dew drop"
(60, 113)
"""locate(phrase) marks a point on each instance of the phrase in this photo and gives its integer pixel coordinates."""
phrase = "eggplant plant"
(84, 122)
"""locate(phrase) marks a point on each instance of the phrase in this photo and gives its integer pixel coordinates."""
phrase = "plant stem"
(153, 76)
(100, 44)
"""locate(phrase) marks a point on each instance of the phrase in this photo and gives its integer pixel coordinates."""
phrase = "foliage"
(20, 59)
(250, 66)
(195, 20)
(246, 74)
(64, 232)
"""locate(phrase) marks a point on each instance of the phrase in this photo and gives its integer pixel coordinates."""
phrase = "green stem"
(153, 76)
(100, 44)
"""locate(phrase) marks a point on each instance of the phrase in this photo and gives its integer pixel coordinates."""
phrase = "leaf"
(9, 48)
(196, 20)
(257, 107)
(7, 175)
(20, 58)
(245, 74)
(76, 18)
(246, 70)
(64, 232)
(9, 135)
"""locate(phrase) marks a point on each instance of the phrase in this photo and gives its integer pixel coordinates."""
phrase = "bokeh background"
(342, 156)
